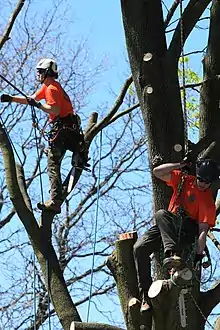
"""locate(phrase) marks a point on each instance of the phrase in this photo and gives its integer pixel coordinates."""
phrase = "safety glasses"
(40, 71)
(202, 180)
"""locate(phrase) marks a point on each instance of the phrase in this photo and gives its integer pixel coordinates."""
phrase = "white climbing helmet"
(47, 64)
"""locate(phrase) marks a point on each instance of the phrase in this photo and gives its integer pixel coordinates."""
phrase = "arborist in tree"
(190, 214)
(65, 133)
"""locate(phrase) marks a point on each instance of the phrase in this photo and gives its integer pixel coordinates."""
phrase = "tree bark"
(155, 76)
(121, 264)
(41, 242)
(92, 326)
(209, 93)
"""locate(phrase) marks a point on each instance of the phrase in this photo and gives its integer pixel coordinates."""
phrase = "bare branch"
(11, 178)
(210, 299)
(213, 239)
(170, 13)
(124, 112)
(190, 17)
(11, 22)
(104, 122)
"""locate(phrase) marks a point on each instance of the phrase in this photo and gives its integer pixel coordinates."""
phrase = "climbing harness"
(96, 225)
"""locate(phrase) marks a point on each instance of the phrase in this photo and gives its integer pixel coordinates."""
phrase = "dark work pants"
(170, 232)
(66, 140)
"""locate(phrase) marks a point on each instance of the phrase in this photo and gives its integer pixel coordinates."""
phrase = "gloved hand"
(33, 102)
(6, 98)
(187, 161)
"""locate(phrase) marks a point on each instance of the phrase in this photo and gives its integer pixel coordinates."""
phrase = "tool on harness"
(71, 124)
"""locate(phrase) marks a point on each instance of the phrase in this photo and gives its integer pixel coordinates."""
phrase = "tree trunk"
(121, 264)
(155, 76)
(209, 93)
(40, 238)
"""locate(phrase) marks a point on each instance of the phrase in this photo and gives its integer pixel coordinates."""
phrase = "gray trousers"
(65, 140)
(169, 233)
(54, 159)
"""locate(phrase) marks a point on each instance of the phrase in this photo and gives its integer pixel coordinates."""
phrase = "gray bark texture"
(154, 68)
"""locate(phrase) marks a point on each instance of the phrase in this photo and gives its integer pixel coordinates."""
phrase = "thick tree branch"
(11, 22)
(214, 240)
(23, 187)
(124, 112)
(105, 121)
(190, 17)
(121, 264)
(7, 218)
(170, 13)
(23, 212)
(92, 326)
(210, 299)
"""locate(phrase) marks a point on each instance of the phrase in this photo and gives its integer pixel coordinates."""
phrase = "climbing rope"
(96, 225)
(200, 311)
(35, 296)
(35, 125)
(185, 120)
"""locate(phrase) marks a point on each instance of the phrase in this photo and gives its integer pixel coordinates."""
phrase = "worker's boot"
(173, 261)
(51, 206)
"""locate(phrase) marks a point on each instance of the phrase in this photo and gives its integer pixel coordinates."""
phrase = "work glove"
(6, 98)
(33, 103)
(187, 161)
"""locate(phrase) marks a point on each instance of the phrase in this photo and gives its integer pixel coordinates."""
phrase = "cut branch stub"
(121, 263)
(147, 57)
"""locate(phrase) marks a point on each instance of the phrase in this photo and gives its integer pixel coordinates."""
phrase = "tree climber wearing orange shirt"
(190, 214)
(65, 133)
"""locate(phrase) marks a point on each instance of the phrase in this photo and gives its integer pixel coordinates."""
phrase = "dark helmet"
(207, 170)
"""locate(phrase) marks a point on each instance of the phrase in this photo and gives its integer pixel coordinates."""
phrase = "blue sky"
(100, 22)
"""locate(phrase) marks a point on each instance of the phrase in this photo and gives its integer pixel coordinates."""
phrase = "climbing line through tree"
(182, 36)
(96, 227)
